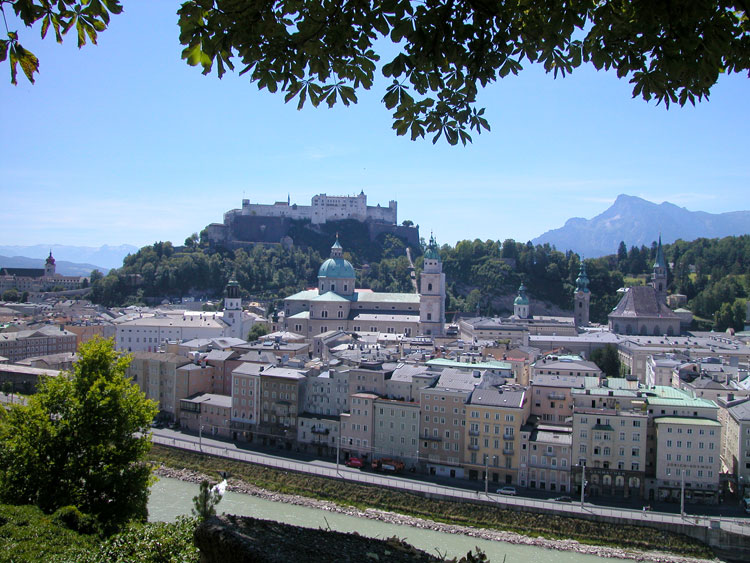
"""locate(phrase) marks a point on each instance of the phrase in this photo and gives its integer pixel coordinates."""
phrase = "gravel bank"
(394, 518)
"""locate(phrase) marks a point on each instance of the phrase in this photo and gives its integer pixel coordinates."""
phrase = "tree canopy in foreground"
(326, 50)
(80, 441)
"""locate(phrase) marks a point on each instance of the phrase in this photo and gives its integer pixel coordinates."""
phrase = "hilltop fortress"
(257, 222)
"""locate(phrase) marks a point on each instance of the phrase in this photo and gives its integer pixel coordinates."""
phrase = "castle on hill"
(271, 223)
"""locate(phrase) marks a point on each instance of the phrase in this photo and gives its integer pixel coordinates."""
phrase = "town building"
(643, 309)
(494, 417)
(687, 458)
(443, 422)
(336, 305)
(37, 279)
(43, 341)
(734, 418)
(545, 456)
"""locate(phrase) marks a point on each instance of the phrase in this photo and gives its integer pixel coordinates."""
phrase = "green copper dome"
(336, 266)
(582, 281)
(431, 253)
(521, 299)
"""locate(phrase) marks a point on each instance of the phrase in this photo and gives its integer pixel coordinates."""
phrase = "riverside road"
(302, 463)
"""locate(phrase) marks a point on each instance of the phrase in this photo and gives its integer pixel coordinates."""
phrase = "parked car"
(507, 491)
(355, 462)
(563, 499)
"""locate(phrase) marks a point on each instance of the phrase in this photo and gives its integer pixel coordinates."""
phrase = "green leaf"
(27, 61)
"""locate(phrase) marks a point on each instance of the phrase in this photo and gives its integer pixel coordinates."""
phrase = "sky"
(124, 143)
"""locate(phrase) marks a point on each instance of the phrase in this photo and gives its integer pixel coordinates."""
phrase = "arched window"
(644, 330)
(619, 481)
(429, 287)
(657, 331)
(607, 480)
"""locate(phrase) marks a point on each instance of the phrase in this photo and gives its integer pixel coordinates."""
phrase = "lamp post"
(486, 471)
(200, 432)
(583, 482)
(682, 493)
(338, 452)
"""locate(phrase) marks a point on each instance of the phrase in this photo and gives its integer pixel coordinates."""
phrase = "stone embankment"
(395, 518)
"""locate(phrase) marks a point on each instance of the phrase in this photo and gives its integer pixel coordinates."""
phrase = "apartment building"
(443, 423)
(494, 417)
(357, 426)
(688, 457)
(396, 430)
(545, 456)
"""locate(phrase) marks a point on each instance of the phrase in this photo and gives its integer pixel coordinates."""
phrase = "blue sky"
(124, 143)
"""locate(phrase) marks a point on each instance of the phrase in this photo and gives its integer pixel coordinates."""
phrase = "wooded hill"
(482, 276)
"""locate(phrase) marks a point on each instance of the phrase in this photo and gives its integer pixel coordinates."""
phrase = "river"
(171, 498)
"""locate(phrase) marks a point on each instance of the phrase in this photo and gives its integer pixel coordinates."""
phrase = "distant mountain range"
(61, 266)
(637, 221)
(105, 257)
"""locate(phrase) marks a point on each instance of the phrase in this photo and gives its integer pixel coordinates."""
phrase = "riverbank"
(241, 486)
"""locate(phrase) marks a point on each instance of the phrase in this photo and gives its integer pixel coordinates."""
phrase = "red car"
(354, 462)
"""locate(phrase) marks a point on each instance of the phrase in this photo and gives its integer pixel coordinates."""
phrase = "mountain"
(106, 256)
(639, 222)
(61, 266)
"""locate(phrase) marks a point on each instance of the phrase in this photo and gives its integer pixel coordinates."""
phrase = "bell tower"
(233, 310)
(49, 266)
(432, 293)
(659, 277)
(581, 297)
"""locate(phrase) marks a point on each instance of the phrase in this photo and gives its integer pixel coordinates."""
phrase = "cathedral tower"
(49, 266)
(659, 277)
(521, 303)
(233, 310)
(582, 297)
(432, 293)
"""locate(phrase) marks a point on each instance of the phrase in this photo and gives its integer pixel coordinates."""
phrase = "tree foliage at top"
(80, 441)
(325, 51)
(86, 17)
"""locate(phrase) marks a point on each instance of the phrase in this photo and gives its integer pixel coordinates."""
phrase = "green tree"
(80, 441)
(607, 360)
(442, 52)
(445, 51)
(10, 295)
(204, 503)
(257, 330)
(88, 17)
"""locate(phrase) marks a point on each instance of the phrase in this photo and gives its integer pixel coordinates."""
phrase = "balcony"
(508, 451)
(432, 438)
(556, 396)
(473, 447)
(320, 430)
(473, 432)
(509, 437)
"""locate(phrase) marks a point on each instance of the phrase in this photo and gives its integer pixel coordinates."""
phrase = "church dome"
(50, 261)
(431, 252)
(521, 299)
(336, 268)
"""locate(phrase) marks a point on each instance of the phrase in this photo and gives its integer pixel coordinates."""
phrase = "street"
(731, 518)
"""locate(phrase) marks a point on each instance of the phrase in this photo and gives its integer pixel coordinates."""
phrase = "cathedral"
(335, 304)
(643, 309)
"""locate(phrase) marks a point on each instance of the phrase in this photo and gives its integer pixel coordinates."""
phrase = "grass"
(461, 513)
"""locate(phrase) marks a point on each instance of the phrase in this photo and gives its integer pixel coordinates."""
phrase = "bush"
(73, 519)
(28, 535)
(154, 542)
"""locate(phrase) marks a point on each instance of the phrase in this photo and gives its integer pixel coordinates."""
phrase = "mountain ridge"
(103, 257)
(640, 222)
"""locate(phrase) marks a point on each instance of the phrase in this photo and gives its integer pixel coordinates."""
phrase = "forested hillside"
(481, 277)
